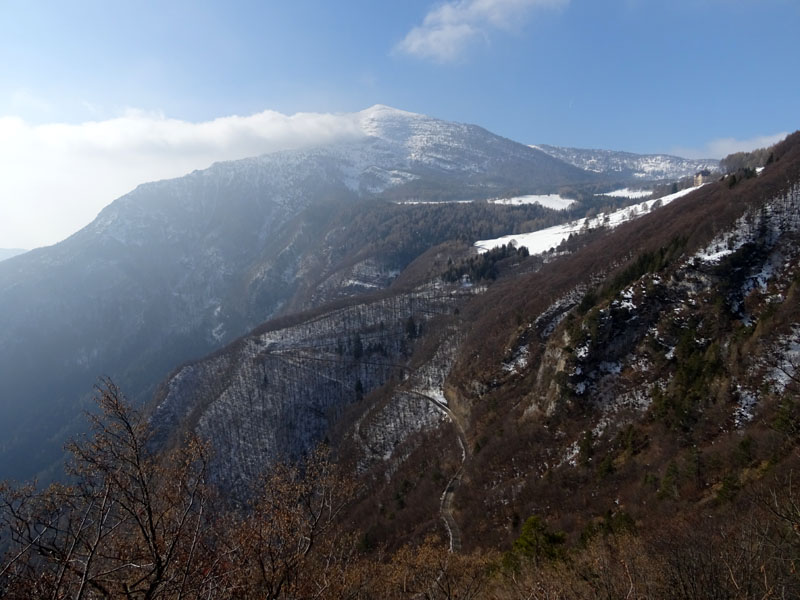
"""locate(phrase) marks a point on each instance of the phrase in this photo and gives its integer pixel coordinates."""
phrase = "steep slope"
(275, 393)
(629, 166)
(661, 346)
(642, 378)
(176, 268)
(555, 391)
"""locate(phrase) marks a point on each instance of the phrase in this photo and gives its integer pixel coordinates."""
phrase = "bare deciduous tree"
(129, 525)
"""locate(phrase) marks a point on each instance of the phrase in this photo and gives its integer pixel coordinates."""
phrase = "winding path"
(446, 503)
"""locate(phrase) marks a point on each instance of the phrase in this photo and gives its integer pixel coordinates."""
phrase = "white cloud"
(720, 148)
(55, 178)
(450, 28)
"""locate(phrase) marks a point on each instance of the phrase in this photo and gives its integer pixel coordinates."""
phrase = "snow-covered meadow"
(538, 242)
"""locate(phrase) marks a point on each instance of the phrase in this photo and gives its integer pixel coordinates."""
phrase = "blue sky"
(685, 76)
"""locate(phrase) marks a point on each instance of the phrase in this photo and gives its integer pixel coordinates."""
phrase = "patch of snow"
(543, 240)
(554, 201)
(636, 400)
(764, 224)
(786, 371)
(713, 254)
(519, 362)
(571, 455)
(610, 367)
(641, 364)
(412, 202)
(381, 437)
(357, 283)
(627, 300)
(628, 193)
(762, 278)
(745, 407)
(435, 393)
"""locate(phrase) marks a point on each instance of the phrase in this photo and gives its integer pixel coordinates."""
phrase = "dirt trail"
(448, 495)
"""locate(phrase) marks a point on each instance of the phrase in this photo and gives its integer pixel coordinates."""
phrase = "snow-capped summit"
(379, 120)
(410, 133)
(177, 267)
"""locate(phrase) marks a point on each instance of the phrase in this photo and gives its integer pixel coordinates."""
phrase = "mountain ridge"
(604, 410)
(177, 267)
(582, 341)
(631, 166)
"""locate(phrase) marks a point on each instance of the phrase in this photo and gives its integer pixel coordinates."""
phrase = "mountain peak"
(391, 123)
(382, 110)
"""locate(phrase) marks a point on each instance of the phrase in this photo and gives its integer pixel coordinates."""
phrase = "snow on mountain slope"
(274, 393)
(553, 201)
(628, 193)
(538, 242)
(629, 165)
(420, 140)
(395, 148)
(177, 267)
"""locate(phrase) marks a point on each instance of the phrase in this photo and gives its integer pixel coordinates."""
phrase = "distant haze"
(57, 177)
(98, 97)
(9, 252)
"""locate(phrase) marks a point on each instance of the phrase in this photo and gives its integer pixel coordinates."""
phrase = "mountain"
(9, 252)
(628, 166)
(176, 268)
(495, 387)
(616, 411)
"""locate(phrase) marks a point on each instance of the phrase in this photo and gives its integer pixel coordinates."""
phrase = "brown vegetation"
(674, 503)
(134, 524)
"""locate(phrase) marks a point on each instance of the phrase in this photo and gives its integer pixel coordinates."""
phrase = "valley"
(572, 360)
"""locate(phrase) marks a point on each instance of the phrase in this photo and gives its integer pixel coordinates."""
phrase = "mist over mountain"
(270, 340)
(498, 347)
(493, 386)
(175, 268)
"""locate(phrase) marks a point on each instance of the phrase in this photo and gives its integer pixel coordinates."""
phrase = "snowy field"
(434, 202)
(553, 201)
(538, 242)
(628, 193)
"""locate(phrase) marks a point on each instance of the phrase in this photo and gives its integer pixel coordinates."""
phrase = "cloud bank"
(55, 178)
(449, 29)
(721, 147)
